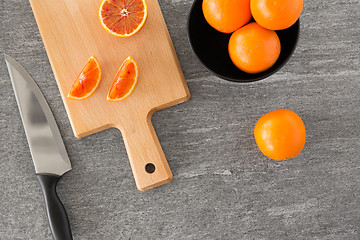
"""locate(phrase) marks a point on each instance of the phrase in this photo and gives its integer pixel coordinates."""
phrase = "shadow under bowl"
(211, 48)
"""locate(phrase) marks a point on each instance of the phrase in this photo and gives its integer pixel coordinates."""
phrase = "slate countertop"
(223, 187)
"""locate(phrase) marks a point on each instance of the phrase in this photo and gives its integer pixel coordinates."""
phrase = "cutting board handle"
(147, 159)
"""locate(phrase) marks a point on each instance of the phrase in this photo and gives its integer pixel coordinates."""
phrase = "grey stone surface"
(223, 187)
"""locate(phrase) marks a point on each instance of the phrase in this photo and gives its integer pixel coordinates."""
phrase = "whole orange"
(280, 134)
(254, 49)
(276, 14)
(226, 15)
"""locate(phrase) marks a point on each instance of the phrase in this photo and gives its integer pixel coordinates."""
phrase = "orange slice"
(123, 18)
(87, 81)
(125, 81)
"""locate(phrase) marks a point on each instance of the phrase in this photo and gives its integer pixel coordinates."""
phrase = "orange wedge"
(123, 18)
(125, 81)
(88, 80)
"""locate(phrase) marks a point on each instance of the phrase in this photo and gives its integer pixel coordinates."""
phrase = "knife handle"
(58, 219)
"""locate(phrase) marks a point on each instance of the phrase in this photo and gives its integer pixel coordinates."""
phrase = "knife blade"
(46, 145)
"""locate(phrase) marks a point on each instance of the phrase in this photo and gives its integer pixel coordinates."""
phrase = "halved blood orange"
(87, 81)
(125, 81)
(123, 18)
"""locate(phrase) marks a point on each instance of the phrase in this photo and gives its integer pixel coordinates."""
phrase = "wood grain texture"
(72, 33)
(223, 187)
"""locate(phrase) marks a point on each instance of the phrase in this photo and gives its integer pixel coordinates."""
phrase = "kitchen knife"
(46, 146)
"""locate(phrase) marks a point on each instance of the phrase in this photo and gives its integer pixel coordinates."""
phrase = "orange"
(226, 15)
(276, 14)
(123, 18)
(87, 81)
(254, 49)
(125, 81)
(280, 134)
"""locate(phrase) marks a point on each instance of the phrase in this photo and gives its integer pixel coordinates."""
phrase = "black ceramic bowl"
(211, 48)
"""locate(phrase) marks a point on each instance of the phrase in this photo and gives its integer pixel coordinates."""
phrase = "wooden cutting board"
(71, 33)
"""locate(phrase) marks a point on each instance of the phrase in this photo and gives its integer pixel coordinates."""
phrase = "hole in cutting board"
(150, 168)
